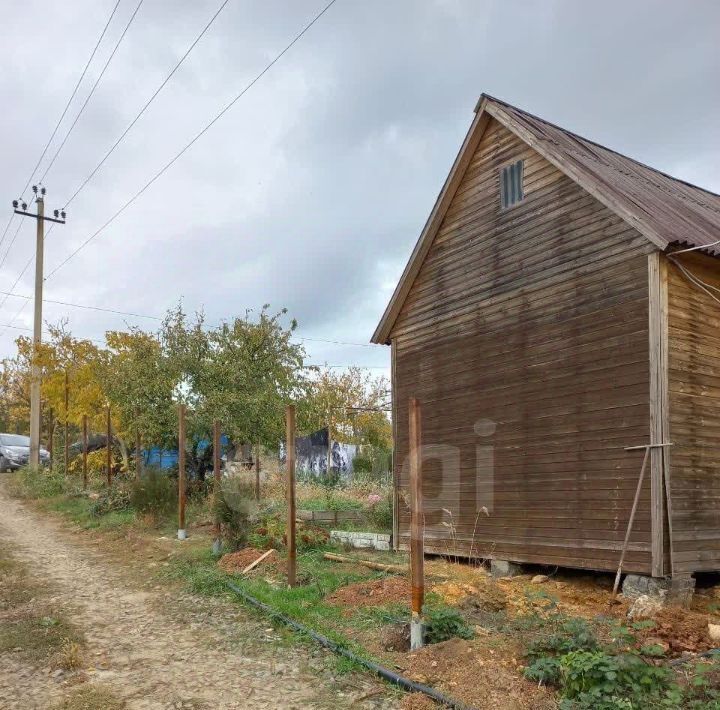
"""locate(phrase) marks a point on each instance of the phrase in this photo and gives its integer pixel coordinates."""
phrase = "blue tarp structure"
(161, 458)
(168, 458)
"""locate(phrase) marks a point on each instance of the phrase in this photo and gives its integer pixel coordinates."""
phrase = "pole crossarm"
(34, 216)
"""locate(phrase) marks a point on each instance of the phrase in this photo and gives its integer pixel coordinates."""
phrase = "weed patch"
(92, 697)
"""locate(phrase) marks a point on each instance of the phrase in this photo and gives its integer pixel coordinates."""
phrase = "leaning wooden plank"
(253, 565)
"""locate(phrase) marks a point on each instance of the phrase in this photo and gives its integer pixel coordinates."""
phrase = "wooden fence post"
(85, 451)
(217, 544)
(290, 532)
(108, 449)
(257, 471)
(182, 535)
(416, 527)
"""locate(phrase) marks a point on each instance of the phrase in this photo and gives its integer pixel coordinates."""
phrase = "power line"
(12, 241)
(195, 139)
(147, 103)
(337, 342)
(47, 332)
(362, 367)
(83, 306)
(62, 116)
(17, 280)
(92, 90)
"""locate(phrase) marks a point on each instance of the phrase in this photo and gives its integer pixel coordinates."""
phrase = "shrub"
(362, 464)
(544, 654)
(234, 506)
(269, 531)
(595, 679)
(445, 623)
(112, 499)
(380, 511)
(154, 495)
(270, 528)
(37, 483)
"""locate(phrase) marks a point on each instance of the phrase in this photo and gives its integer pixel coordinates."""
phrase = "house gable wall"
(525, 338)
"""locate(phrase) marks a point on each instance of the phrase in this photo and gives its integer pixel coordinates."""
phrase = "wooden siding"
(525, 337)
(694, 383)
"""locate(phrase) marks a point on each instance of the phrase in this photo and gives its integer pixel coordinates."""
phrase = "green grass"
(304, 603)
(331, 502)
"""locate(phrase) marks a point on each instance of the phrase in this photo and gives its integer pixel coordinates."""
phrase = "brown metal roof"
(671, 209)
(662, 208)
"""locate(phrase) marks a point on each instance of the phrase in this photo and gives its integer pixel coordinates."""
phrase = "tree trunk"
(123, 452)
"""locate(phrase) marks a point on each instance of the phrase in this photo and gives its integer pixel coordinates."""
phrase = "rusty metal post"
(290, 532)
(217, 476)
(417, 553)
(182, 534)
(85, 452)
(257, 471)
(67, 402)
(108, 449)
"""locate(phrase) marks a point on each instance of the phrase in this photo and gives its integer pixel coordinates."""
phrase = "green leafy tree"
(242, 372)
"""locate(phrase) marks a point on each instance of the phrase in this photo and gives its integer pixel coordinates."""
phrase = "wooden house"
(561, 304)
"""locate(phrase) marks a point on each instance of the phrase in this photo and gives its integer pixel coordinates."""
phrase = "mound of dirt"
(476, 675)
(682, 629)
(236, 562)
(374, 593)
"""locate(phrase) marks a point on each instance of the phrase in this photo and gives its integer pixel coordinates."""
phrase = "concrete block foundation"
(505, 568)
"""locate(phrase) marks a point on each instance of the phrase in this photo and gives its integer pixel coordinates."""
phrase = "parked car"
(15, 452)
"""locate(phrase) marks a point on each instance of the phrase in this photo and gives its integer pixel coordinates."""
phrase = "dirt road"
(155, 648)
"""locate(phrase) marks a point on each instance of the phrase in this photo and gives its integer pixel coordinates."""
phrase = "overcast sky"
(310, 193)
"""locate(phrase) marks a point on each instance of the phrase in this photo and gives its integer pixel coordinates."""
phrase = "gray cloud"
(311, 192)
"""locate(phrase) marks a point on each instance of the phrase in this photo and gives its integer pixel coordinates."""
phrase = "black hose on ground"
(385, 673)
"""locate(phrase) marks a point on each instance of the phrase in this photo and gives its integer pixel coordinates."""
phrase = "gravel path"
(160, 650)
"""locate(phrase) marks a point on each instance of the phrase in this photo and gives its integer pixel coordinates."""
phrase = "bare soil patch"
(236, 562)
(374, 593)
(477, 674)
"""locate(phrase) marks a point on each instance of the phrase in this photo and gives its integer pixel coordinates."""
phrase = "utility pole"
(67, 404)
(37, 324)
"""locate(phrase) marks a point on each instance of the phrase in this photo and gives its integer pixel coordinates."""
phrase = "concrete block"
(504, 568)
(637, 585)
(681, 591)
(381, 537)
(380, 545)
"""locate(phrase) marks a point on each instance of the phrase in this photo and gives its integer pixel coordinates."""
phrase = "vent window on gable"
(511, 184)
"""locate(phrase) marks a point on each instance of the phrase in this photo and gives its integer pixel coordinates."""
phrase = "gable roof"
(662, 208)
